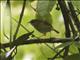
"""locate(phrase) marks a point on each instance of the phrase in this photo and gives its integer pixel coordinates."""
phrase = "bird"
(42, 26)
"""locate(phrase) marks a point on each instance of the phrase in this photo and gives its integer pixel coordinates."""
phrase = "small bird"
(42, 26)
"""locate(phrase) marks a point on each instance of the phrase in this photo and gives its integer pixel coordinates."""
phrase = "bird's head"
(34, 22)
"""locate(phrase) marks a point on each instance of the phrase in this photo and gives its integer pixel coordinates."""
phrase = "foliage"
(16, 30)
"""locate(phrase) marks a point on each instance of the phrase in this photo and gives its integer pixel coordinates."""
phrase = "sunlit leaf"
(62, 45)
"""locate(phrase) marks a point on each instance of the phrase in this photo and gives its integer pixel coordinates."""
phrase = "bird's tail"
(55, 30)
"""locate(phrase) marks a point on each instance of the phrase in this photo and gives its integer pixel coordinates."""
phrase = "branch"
(74, 16)
(20, 19)
(67, 18)
(33, 41)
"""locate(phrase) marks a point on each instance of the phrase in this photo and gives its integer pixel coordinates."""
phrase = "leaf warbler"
(42, 26)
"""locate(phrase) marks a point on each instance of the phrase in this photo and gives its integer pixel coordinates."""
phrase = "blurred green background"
(31, 51)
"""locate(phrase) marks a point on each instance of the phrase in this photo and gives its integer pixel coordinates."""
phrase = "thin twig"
(9, 7)
(53, 49)
(58, 53)
(20, 19)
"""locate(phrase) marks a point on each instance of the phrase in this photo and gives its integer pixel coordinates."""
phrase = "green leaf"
(73, 49)
(73, 57)
(44, 8)
(76, 4)
(77, 44)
